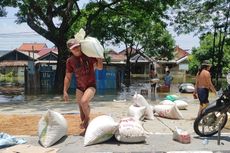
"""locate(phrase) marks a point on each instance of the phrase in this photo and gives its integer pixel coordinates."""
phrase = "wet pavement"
(159, 141)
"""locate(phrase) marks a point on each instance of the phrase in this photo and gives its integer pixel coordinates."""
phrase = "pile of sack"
(53, 126)
(128, 129)
(168, 108)
(103, 128)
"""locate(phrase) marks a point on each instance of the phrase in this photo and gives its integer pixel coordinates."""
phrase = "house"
(177, 66)
(139, 62)
(24, 59)
(15, 62)
(32, 47)
(140, 65)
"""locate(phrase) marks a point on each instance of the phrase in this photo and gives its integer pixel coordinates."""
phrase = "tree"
(139, 27)
(203, 52)
(202, 17)
(55, 19)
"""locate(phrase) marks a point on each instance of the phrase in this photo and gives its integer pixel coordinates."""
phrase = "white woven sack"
(90, 46)
(130, 130)
(51, 128)
(168, 111)
(167, 102)
(181, 104)
(100, 129)
(139, 100)
(137, 112)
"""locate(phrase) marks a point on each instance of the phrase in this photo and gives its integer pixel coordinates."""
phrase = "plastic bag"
(181, 136)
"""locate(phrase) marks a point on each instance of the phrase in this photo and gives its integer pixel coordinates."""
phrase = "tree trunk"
(61, 65)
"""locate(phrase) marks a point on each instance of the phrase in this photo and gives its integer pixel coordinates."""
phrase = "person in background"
(203, 85)
(83, 68)
(168, 79)
(153, 76)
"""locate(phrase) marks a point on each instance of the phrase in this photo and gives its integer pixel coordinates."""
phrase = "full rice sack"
(139, 100)
(51, 128)
(168, 111)
(90, 46)
(100, 129)
(138, 112)
(130, 130)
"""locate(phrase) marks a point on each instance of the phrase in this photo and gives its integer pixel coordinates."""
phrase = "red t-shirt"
(83, 68)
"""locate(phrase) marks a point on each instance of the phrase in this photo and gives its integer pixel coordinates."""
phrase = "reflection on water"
(122, 95)
(4, 99)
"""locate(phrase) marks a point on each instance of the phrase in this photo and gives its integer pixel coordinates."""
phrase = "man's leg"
(84, 102)
(79, 95)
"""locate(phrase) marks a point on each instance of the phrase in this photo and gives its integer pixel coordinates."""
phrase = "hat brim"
(73, 46)
(206, 64)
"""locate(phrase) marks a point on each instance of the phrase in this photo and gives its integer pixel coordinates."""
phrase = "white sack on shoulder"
(139, 100)
(181, 104)
(80, 35)
(51, 128)
(130, 130)
(138, 112)
(168, 111)
(100, 129)
(90, 46)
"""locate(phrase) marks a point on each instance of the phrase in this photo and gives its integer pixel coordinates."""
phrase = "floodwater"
(122, 95)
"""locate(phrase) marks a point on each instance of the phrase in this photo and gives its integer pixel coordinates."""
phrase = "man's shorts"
(203, 94)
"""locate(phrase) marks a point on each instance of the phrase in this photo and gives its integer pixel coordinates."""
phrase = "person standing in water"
(153, 79)
(168, 79)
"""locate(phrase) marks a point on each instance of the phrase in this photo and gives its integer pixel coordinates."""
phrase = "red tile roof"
(33, 47)
(116, 57)
(45, 51)
(180, 53)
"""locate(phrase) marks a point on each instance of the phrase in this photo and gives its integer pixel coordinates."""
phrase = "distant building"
(32, 47)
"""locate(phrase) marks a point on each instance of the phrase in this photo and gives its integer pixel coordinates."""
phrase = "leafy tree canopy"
(199, 16)
(58, 20)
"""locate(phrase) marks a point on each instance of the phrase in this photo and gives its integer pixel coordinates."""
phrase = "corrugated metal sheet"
(13, 63)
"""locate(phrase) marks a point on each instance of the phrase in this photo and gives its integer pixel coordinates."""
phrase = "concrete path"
(159, 141)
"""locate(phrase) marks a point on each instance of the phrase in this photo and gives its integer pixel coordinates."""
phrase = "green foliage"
(134, 24)
(193, 63)
(199, 16)
(118, 21)
(9, 77)
(205, 52)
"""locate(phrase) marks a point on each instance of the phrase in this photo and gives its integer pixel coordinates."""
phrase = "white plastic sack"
(181, 136)
(51, 128)
(155, 80)
(167, 102)
(130, 130)
(90, 46)
(137, 112)
(181, 104)
(168, 111)
(100, 129)
(139, 100)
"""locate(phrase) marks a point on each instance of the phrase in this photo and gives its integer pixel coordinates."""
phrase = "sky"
(12, 35)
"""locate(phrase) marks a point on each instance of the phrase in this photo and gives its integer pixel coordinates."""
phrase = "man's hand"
(66, 96)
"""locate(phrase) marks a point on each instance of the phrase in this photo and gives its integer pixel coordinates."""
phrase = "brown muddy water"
(122, 95)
